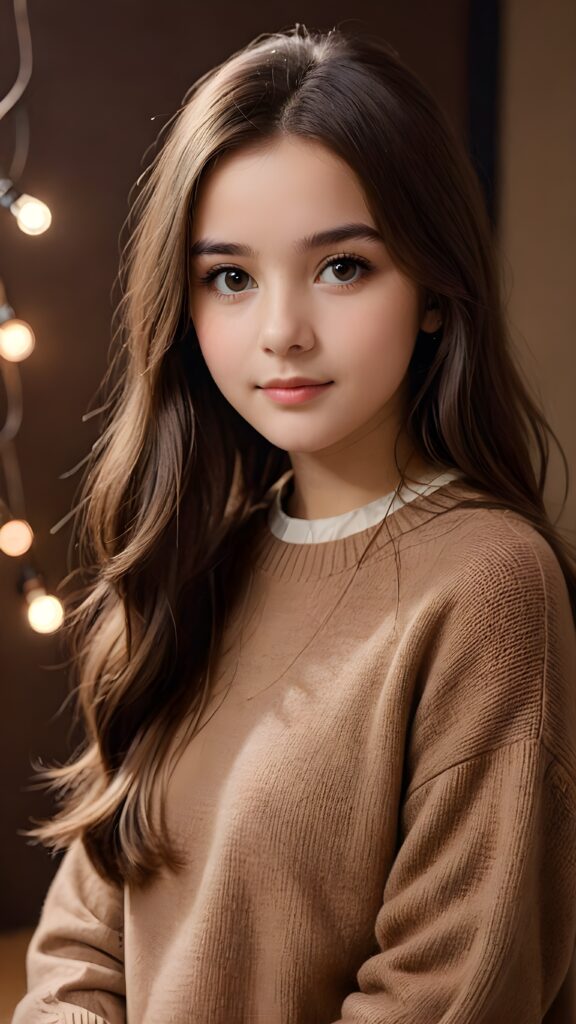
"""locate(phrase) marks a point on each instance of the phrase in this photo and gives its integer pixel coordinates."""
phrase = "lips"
(296, 395)
(295, 382)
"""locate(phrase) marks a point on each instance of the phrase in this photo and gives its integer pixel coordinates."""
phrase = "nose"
(285, 323)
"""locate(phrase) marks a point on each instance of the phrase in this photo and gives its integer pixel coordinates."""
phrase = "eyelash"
(361, 261)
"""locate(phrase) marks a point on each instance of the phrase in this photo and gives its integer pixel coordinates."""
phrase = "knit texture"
(378, 815)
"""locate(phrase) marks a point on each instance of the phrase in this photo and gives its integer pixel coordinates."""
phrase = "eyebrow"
(209, 247)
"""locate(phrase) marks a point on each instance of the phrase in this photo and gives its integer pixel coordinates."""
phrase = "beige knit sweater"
(379, 815)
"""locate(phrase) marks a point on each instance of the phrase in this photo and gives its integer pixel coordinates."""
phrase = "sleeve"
(478, 918)
(75, 960)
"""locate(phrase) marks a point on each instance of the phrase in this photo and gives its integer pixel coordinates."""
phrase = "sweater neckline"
(313, 531)
(387, 517)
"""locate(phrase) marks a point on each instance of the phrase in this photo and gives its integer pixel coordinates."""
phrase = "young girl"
(326, 653)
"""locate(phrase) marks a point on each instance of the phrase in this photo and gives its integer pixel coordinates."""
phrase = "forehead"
(288, 187)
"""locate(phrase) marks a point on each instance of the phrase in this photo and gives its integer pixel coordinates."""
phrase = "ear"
(431, 319)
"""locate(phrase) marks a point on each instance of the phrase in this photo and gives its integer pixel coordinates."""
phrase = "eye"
(342, 266)
(232, 278)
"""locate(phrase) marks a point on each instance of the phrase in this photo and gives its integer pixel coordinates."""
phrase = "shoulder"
(499, 662)
(482, 556)
(488, 598)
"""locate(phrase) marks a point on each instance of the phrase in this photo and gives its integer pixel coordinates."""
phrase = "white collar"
(315, 531)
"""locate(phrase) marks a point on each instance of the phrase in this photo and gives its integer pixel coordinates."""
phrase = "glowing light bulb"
(16, 537)
(45, 612)
(16, 340)
(32, 215)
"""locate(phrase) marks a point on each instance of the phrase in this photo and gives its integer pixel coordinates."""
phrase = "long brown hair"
(165, 525)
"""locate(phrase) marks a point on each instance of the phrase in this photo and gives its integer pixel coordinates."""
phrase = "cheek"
(376, 345)
(216, 338)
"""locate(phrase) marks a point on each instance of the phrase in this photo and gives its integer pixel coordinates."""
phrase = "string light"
(32, 215)
(16, 336)
(16, 537)
(16, 339)
(44, 611)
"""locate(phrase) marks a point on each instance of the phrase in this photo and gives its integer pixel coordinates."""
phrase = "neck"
(319, 492)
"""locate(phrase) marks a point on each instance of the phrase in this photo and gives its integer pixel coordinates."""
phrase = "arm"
(75, 960)
(478, 920)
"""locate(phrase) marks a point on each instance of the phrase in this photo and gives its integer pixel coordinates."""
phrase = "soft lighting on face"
(16, 340)
(32, 215)
(16, 537)
(45, 612)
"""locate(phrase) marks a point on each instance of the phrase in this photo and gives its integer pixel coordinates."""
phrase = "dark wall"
(102, 73)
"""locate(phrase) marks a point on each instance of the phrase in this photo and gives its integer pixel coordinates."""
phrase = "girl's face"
(270, 301)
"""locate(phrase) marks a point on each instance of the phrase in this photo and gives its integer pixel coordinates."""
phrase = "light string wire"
(10, 373)
(14, 96)
(25, 54)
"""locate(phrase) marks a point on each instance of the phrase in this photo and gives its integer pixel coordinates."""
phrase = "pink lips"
(296, 395)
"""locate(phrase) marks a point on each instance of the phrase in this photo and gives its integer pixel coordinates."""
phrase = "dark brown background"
(101, 73)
